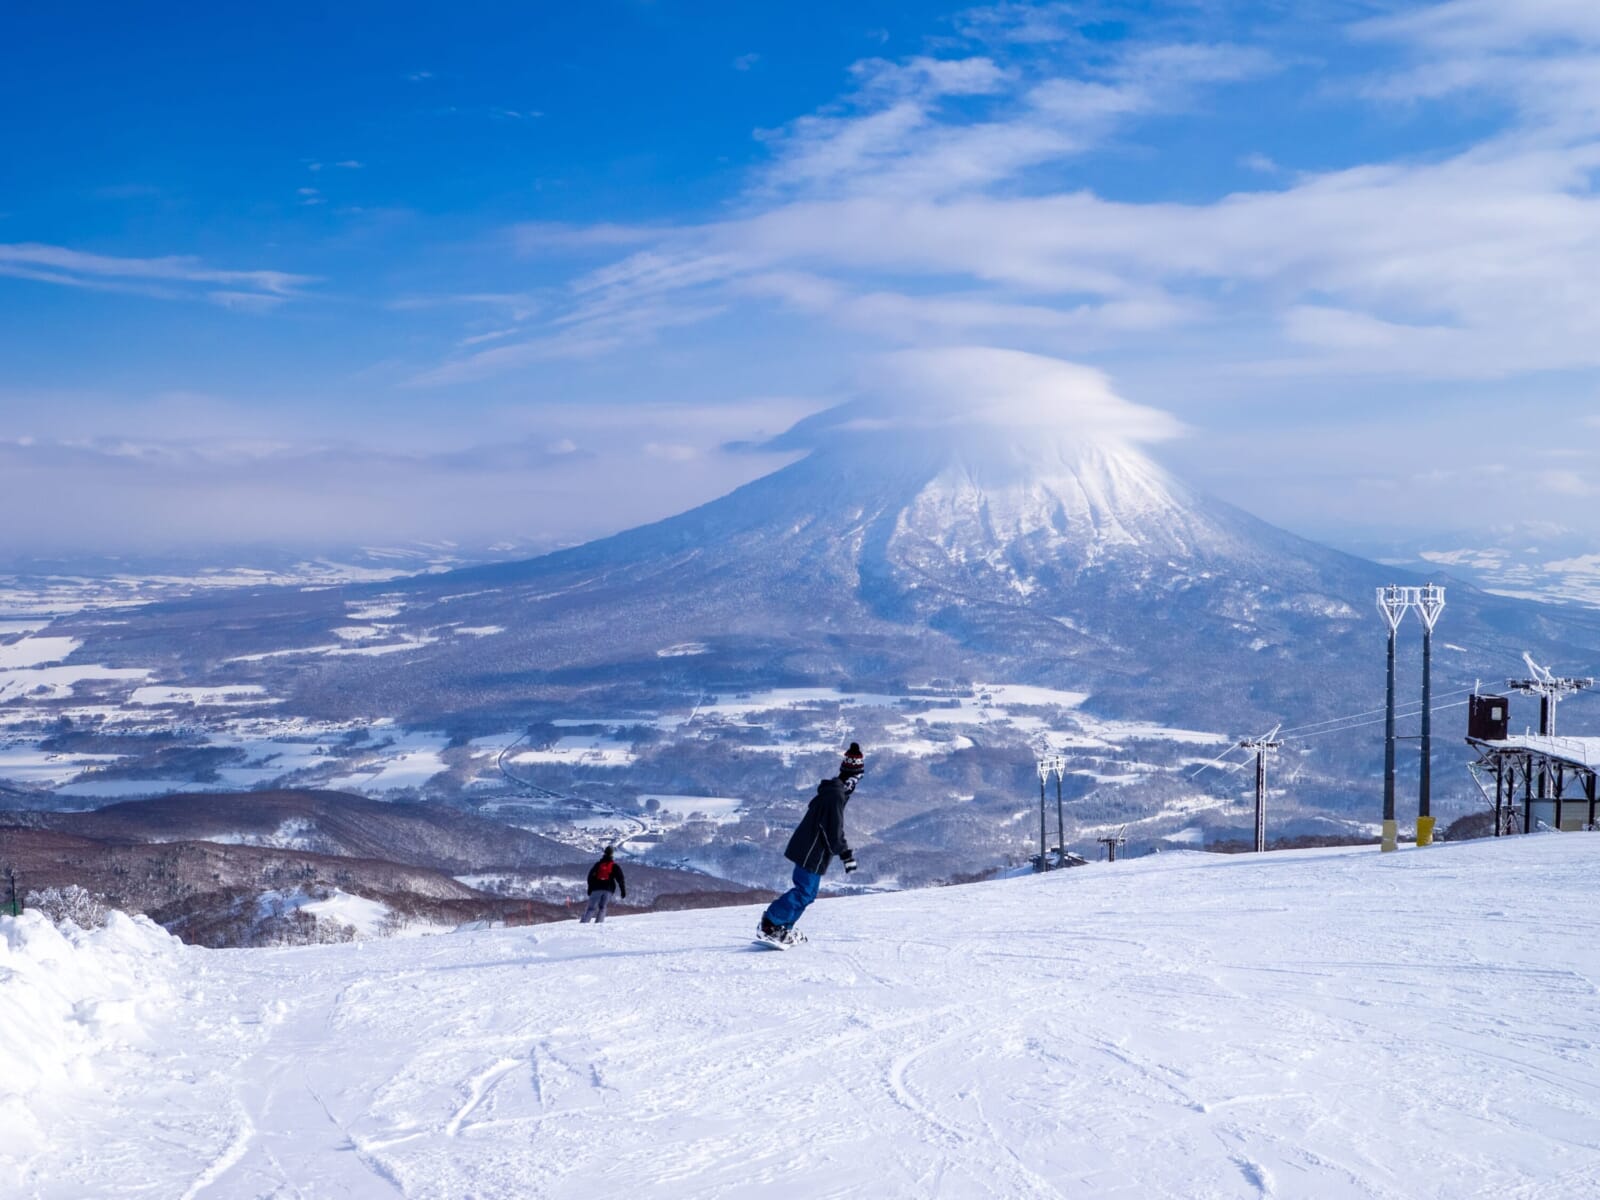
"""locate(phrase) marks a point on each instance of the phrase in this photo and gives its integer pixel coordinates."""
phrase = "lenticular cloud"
(981, 387)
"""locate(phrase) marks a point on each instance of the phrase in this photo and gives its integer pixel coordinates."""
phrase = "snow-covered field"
(410, 760)
(250, 737)
(1309, 1024)
(721, 809)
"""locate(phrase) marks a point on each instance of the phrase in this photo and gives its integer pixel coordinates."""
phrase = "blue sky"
(375, 272)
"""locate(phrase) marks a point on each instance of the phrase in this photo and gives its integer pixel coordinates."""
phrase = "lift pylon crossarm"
(1119, 838)
(1429, 603)
(1550, 687)
(1392, 604)
(1394, 601)
(1262, 746)
(1545, 684)
(1052, 764)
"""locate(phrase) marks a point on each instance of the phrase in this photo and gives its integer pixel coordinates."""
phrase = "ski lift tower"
(1052, 764)
(1262, 746)
(1112, 841)
(1429, 603)
(1546, 685)
(1392, 604)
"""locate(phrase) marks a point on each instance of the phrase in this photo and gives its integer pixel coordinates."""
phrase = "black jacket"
(820, 834)
(614, 884)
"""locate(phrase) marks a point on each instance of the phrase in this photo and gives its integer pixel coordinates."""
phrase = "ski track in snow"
(1310, 1024)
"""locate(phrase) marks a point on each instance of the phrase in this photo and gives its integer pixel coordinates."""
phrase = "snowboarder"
(605, 881)
(815, 842)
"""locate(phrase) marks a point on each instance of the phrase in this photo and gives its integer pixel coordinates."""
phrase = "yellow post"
(1424, 831)
(1390, 836)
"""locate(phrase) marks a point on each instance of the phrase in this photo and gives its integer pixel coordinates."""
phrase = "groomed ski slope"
(1309, 1024)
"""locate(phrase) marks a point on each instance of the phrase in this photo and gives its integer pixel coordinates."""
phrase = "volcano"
(975, 514)
(899, 556)
(886, 555)
(931, 561)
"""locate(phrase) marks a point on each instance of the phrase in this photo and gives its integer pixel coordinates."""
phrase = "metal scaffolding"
(1538, 782)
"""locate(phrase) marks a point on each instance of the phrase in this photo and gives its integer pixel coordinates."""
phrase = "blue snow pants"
(786, 909)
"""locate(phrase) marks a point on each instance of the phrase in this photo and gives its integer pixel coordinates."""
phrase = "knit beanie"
(853, 764)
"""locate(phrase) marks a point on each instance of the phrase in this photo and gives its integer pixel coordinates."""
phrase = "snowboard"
(773, 944)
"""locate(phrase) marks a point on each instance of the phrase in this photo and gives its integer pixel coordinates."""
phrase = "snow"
(36, 651)
(239, 693)
(931, 724)
(76, 1004)
(494, 743)
(409, 762)
(407, 642)
(365, 916)
(480, 630)
(26, 763)
(357, 633)
(1109, 780)
(519, 882)
(57, 683)
(373, 612)
(722, 809)
(900, 740)
(27, 673)
(683, 650)
(1582, 750)
(30, 625)
(1306, 1024)
(296, 833)
(580, 751)
(746, 705)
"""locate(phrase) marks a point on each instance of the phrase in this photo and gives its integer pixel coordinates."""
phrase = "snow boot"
(779, 935)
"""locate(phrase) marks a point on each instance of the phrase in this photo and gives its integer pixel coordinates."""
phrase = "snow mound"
(68, 996)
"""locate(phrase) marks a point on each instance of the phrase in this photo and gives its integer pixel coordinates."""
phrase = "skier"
(605, 880)
(815, 842)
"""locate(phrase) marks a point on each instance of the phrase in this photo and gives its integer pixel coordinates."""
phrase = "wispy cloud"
(911, 129)
(898, 176)
(1540, 56)
(905, 210)
(541, 472)
(581, 335)
(166, 278)
(1021, 23)
(1477, 25)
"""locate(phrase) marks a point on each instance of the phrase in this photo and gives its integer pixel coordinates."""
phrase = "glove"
(849, 861)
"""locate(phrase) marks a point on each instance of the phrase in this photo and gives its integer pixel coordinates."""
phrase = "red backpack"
(602, 870)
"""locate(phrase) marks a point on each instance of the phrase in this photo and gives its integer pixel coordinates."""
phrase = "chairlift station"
(1541, 781)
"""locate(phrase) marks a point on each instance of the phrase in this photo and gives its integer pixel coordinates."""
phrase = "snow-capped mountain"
(907, 555)
(883, 555)
(915, 565)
